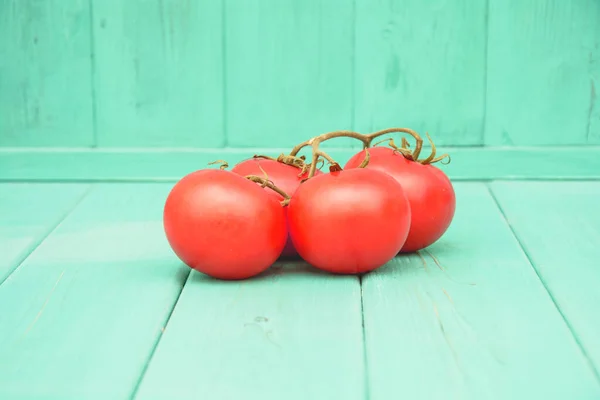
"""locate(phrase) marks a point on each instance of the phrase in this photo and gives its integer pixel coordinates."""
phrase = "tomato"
(223, 224)
(430, 193)
(284, 176)
(350, 221)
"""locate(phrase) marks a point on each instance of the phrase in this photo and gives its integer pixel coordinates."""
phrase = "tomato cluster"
(236, 224)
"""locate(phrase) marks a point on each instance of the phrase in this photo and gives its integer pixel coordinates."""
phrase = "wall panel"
(45, 64)
(422, 65)
(159, 73)
(543, 72)
(289, 70)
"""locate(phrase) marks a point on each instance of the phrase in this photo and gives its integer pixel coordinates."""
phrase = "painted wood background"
(229, 73)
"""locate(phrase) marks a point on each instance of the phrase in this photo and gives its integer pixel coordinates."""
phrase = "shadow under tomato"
(289, 269)
(183, 273)
(289, 258)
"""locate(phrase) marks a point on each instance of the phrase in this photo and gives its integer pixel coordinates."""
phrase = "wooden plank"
(541, 57)
(559, 227)
(82, 314)
(593, 128)
(171, 165)
(292, 333)
(469, 319)
(29, 213)
(45, 70)
(159, 73)
(422, 64)
(289, 70)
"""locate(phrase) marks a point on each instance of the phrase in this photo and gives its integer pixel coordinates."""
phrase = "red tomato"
(349, 221)
(284, 176)
(429, 191)
(224, 225)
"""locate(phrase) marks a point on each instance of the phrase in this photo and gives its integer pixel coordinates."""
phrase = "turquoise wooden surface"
(96, 305)
(233, 74)
(103, 309)
(82, 314)
(289, 70)
(25, 223)
(291, 334)
(543, 72)
(468, 318)
(559, 227)
(158, 73)
(45, 81)
(171, 165)
(422, 64)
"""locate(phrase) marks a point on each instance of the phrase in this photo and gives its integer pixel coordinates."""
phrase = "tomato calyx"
(404, 147)
(320, 155)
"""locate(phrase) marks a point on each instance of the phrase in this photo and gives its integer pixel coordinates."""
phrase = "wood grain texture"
(469, 319)
(289, 70)
(25, 222)
(559, 227)
(171, 165)
(422, 65)
(542, 72)
(159, 73)
(45, 71)
(292, 333)
(593, 128)
(82, 314)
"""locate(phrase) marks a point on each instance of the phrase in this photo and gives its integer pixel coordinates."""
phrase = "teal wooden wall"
(233, 73)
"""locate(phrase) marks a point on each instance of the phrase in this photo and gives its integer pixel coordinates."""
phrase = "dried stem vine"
(264, 182)
(367, 141)
(404, 149)
(317, 153)
(267, 183)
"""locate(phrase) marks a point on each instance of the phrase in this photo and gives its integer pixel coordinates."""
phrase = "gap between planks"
(37, 243)
(159, 338)
(364, 340)
(532, 264)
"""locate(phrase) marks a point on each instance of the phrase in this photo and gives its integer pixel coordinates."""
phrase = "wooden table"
(94, 304)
